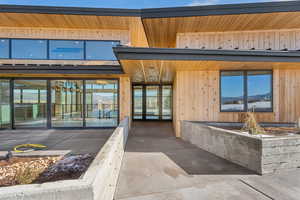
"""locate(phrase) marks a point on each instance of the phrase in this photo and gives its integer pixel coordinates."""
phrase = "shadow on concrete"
(157, 138)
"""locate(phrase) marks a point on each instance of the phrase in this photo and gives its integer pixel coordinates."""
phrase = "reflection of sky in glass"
(61, 49)
(259, 84)
(4, 48)
(100, 50)
(232, 86)
(31, 49)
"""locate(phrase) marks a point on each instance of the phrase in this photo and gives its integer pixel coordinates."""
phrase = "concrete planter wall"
(98, 183)
(262, 155)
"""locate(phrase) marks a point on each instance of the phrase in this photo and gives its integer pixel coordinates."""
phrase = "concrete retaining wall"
(98, 183)
(262, 155)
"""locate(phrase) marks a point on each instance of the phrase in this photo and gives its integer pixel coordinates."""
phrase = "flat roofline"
(223, 9)
(60, 69)
(133, 53)
(70, 10)
(188, 11)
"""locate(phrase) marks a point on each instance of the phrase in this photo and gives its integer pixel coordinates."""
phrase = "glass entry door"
(152, 102)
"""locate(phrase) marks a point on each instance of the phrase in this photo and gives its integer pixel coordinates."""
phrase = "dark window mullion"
(84, 104)
(245, 91)
(49, 103)
(12, 109)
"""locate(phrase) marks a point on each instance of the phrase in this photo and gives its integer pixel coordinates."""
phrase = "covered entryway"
(152, 102)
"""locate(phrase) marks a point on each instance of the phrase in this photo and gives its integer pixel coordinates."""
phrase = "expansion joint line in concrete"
(257, 190)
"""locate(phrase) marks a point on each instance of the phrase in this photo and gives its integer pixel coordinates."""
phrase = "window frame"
(48, 48)
(245, 95)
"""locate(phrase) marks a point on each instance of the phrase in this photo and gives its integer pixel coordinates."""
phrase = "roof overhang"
(225, 9)
(162, 24)
(131, 53)
(160, 64)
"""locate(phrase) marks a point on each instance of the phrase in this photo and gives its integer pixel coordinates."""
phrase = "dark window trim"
(48, 48)
(245, 82)
(48, 107)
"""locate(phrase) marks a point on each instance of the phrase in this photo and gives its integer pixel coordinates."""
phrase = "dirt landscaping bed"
(27, 170)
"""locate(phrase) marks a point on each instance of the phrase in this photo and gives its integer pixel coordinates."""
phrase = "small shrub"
(251, 124)
(28, 175)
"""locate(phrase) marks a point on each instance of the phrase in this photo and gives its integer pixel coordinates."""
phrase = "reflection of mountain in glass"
(254, 98)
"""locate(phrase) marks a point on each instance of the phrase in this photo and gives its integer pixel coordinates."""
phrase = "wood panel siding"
(243, 40)
(125, 98)
(137, 33)
(196, 97)
(161, 32)
(56, 33)
(64, 21)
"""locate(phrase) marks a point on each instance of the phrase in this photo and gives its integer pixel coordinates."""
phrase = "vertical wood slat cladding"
(245, 40)
(125, 97)
(77, 34)
(197, 98)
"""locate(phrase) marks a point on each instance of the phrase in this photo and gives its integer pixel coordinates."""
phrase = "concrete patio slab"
(77, 141)
(157, 166)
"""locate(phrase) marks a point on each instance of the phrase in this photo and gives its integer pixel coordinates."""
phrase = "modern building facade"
(65, 67)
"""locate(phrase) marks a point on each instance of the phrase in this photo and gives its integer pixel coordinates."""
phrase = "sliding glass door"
(101, 103)
(30, 103)
(5, 116)
(67, 103)
(34, 103)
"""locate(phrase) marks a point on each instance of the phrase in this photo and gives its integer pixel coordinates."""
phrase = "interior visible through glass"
(30, 103)
(152, 104)
(167, 102)
(67, 103)
(101, 103)
(4, 103)
(138, 102)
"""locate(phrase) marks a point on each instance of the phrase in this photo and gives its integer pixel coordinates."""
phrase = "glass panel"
(232, 91)
(66, 49)
(66, 103)
(100, 50)
(4, 48)
(29, 49)
(4, 104)
(101, 103)
(259, 98)
(30, 103)
(138, 102)
(152, 104)
(166, 102)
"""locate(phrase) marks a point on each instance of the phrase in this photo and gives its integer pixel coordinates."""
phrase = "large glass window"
(67, 103)
(4, 103)
(66, 50)
(166, 102)
(100, 50)
(30, 103)
(29, 49)
(138, 102)
(232, 91)
(101, 103)
(4, 48)
(240, 91)
(259, 95)
(57, 49)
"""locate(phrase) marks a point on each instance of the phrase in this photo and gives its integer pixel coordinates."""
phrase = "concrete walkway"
(157, 166)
